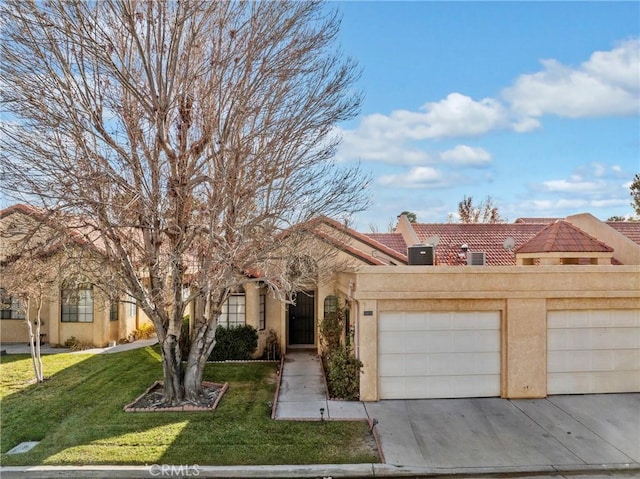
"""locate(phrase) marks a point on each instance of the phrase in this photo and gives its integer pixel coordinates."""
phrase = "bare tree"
(27, 286)
(190, 142)
(31, 265)
(634, 191)
(485, 212)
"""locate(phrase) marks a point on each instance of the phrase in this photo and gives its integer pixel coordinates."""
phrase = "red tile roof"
(394, 241)
(536, 220)
(563, 237)
(631, 229)
(479, 237)
(367, 239)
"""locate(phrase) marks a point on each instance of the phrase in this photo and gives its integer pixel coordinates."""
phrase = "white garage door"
(593, 351)
(439, 354)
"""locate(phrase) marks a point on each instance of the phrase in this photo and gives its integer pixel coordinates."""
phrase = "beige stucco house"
(523, 309)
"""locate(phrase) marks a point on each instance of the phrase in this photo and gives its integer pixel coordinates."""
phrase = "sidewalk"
(302, 394)
(23, 348)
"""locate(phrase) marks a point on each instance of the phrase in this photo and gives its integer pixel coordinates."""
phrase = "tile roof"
(563, 237)
(399, 255)
(394, 241)
(536, 220)
(631, 229)
(479, 237)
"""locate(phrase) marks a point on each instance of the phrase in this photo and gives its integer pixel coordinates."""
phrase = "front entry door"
(301, 319)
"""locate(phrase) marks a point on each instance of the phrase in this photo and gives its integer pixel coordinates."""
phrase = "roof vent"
(420, 254)
(476, 258)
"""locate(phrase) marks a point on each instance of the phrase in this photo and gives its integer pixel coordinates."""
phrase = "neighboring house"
(72, 309)
(543, 307)
(519, 310)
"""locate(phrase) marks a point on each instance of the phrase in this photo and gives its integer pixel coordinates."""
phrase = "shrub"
(343, 374)
(234, 343)
(75, 344)
(272, 346)
(145, 331)
(331, 328)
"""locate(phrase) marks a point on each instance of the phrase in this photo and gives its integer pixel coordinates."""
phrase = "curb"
(301, 471)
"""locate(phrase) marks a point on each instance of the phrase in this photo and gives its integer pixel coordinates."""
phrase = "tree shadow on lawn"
(78, 416)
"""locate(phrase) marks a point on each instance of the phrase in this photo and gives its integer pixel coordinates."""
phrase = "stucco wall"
(625, 250)
(523, 295)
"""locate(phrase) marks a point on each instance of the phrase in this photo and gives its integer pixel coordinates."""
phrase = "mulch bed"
(151, 399)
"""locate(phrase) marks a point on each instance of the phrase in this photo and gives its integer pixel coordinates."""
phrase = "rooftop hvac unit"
(476, 258)
(420, 255)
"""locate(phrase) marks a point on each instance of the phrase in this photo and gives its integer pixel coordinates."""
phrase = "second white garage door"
(439, 354)
(594, 351)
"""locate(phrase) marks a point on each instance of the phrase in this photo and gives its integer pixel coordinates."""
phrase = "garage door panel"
(593, 319)
(476, 341)
(594, 338)
(568, 361)
(441, 387)
(593, 351)
(602, 382)
(392, 322)
(394, 343)
(477, 321)
(414, 321)
(439, 354)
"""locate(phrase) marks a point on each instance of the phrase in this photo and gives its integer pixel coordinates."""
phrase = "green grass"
(78, 416)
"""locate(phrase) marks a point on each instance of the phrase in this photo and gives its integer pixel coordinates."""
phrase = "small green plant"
(234, 343)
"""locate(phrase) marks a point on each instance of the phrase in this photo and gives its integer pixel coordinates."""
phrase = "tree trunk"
(34, 344)
(201, 347)
(172, 371)
(38, 355)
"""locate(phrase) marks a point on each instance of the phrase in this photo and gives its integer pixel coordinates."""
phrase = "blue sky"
(536, 104)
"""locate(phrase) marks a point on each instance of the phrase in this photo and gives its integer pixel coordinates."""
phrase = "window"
(77, 304)
(330, 305)
(113, 311)
(233, 311)
(132, 306)
(263, 312)
(10, 307)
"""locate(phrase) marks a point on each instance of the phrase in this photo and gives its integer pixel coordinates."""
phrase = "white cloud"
(573, 186)
(459, 115)
(463, 155)
(606, 85)
(373, 147)
(417, 177)
(553, 205)
(455, 116)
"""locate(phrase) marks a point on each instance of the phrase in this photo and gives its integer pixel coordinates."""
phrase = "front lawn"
(78, 417)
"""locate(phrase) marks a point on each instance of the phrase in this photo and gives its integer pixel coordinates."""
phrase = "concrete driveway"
(560, 431)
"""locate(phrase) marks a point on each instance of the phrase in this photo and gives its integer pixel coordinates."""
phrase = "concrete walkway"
(23, 348)
(303, 396)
